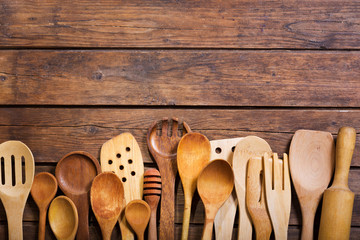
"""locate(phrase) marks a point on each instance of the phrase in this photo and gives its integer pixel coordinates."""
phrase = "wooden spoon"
(162, 139)
(247, 148)
(225, 217)
(63, 218)
(74, 173)
(137, 213)
(215, 184)
(122, 156)
(107, 201)
(43, 191)
(15, 191)
(152, 193)
(311, 160)
(255, 199)
(192, 155)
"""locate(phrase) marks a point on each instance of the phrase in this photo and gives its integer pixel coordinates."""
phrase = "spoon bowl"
(107, 201)
(137, 214)
(215, 184)
(63, 218)
(43, 190)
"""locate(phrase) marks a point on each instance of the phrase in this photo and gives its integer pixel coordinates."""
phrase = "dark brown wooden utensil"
(74, 173)
(152, 193)
(162, 139)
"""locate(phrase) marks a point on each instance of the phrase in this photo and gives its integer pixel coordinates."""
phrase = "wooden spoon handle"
(42, 223)
(82, 204)
(186, 217)
(208, 228)
(308, 215)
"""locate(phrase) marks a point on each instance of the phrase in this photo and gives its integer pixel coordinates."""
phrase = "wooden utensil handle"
(14, 217)
(82, 204)
(186, 217)
(345, 145)
(42, 224)
(207, 231)
(126, 232)
(308, 215)
(152, 232)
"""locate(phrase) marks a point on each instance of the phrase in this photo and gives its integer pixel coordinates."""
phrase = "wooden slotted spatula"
(247, 148)
(255, 199)
(15, 190)
(122, 156)
(278, 193)
(225, 217)
(311, 161)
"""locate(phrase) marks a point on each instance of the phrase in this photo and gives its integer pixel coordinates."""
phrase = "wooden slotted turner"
(14, 194)
(122, 156)
(225, 217)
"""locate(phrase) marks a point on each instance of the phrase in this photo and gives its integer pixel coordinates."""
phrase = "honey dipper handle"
(152, 232)
(345, 145)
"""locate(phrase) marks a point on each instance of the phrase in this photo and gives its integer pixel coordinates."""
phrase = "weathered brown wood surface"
(74, 74)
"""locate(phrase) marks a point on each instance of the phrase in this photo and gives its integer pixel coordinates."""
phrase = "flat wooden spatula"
(122, 156)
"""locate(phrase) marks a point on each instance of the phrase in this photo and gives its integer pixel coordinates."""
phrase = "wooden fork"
(278, 193)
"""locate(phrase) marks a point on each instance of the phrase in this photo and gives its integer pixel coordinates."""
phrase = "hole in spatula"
(23, 169)
(121, 167)
(233, 149)
(261, 178)
(110, 162)
(118, 155)
(13, 170)
(123, 179)
(132, 173)
(127, 149)
(218, 150)
(130, 161)
(2, 171)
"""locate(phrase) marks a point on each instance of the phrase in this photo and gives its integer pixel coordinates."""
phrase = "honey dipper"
(152, 193)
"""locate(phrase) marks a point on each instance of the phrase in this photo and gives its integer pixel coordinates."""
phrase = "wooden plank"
(53, 132)
(182, 78)
(178, 24)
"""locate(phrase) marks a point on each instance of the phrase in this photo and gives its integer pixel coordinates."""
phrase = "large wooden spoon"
(137, 214)
(63, 218)
(311, 165)
(192, 155)
(43, 191)
(107, 201)
(74, 173)
(215, 184)
(162, 139)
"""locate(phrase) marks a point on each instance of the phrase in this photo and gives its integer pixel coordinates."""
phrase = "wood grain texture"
(206, 78)
(168, 24)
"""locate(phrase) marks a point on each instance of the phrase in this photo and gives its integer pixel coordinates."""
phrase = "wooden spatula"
(278, 193)
(311, 163)
(122, 156)
(247, 148)
(225, 217)
(255, 199)
(15, 190)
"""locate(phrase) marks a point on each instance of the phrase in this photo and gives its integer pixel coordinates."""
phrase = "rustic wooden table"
(73, 74)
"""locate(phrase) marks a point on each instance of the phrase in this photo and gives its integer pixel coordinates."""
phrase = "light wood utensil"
(15, 190)
(43, 191)
(74, 173)
(122, 156)
(192, 155)
(337, 207)
(107, 201)
(215, 184)
(247, 148)
(256, 200)
(162, 139)
(152, 193)
(137, 213)
(311, 162)
(278, 193)
(225, 217)
(63, 218)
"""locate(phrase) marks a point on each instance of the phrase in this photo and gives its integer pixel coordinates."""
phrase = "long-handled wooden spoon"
(192, 155)
(74, 173)
(311, 161)
(63, 218)
(15, 191)
(162, 139)
(152, 193)
(215, 184)
(255, 199)
(137, 213)
(43, 191)
(107, 201)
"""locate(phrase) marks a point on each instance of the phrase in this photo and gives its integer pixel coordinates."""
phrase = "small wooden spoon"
(63, 218)
(215, 184)
(192, 155)
(312, 159)
(152, 193)
(137, 214)
(43, 191)
(107, 201)
(75, 172)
